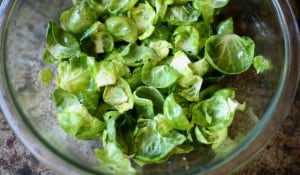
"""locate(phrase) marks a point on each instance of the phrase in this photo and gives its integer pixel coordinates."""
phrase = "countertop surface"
(281, 155)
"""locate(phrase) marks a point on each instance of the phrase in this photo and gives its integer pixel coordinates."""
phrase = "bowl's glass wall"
(24, 52)
(24, 44)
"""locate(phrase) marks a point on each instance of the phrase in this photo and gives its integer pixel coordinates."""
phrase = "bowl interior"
(24, 43)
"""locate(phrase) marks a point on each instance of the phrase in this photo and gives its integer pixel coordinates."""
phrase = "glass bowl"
(28, 108)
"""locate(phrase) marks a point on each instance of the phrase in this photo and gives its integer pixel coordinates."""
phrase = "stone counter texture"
(14, 157)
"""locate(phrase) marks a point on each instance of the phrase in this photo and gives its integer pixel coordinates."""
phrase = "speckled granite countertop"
(281, 155)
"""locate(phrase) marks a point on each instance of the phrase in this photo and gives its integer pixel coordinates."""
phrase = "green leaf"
(209, 8)
(161, 7)
(207, 137)
(63, 99)
(200, 67)
(119, 95)
(229, 53)
(122, 28)
(216, 112)
(112, 154)
(135, 55)
(261, 64)
(125, 132)
(111, 126)
(162, 125)
(113, 157)
(108, 71)
(145, 18)
(161, 47)
(161, 32)
(208, 91)
(46, 76)
(201, 137)
(192, 92)
(102, 39)
(148, 102)
(187, 38)
(59, 44)
(76, 74)
(77, 121)
(180, 62)
(205, 31)
(135, 80)
(225, 27)
(175, 115)
(89, 99)
(80, 17)
(161, 76)
(181, 15)
(117, 6)
(151, 146)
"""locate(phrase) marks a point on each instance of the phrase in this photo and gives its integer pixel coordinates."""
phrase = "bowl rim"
(285, 92)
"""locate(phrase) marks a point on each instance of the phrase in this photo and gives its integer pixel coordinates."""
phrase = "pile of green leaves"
(142, 76)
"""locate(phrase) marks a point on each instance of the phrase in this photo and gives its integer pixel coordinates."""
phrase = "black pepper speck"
(25, 170)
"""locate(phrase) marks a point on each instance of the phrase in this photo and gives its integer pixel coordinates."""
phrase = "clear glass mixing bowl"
(29, 110)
